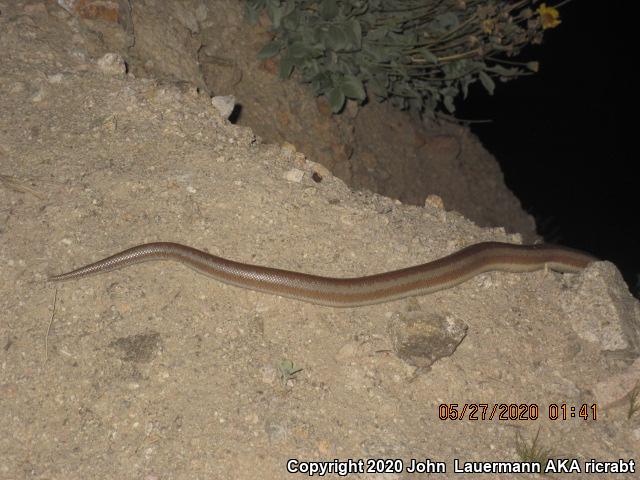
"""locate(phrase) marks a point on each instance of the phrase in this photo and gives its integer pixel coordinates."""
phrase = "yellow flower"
(488, 26)
(550, 16)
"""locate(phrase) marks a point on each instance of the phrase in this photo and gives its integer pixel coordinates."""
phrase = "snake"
(439, 274)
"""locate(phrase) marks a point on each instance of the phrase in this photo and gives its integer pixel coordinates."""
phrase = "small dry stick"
(15, 184)
(46, 337)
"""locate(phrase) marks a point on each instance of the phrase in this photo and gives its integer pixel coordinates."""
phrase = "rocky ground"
(156, 372)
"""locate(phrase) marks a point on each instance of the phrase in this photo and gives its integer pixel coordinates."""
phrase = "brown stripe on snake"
(445, 272)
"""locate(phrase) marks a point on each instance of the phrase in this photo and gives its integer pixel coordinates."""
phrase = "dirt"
(156, 372)
(211, 46)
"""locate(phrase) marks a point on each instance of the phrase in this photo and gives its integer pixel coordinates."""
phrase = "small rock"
(434, 201)
(224, 104)
(56, 78)
(422, 339)
(268, 374)
(321, 170)
(112, 64)
(294, 175)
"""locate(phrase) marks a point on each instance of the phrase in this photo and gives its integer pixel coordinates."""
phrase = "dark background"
(562, 136)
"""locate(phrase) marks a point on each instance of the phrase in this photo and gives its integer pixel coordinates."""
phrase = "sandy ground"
(155, 372)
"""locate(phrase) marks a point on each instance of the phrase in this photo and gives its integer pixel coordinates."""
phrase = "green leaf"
(271, 49)
(428, 56)
(448, 104)
(289, 7)
(316, 34)
(298, 49)
(291, 21)
(503, 71)
(450, 91)
(253, 10)
(286, 66)
(275, 15)
(321, 83)
(329, 9)
(353, 31)
(336, 99)
(311, 67)
(487, 82)
(335, 38)
(464, 84)
(447, 21)
(352, 87)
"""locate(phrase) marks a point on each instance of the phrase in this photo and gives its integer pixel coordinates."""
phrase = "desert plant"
(419, 54)
(287, 370)
(534, 451)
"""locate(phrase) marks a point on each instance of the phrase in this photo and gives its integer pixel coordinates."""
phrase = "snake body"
(445, 272)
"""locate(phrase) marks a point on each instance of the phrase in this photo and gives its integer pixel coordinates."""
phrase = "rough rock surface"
(208, 44)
